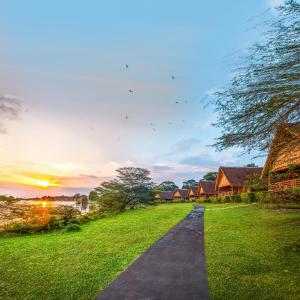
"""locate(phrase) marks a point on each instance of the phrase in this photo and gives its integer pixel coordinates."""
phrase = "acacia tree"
(210, 176)
(189, 183)
(132, 187)
(166, 186)
(264, 95)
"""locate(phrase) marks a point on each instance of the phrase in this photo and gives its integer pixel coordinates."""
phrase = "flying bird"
(126, 66)
(126, 117)
(130, 91)
(177, 102)
(173, 77)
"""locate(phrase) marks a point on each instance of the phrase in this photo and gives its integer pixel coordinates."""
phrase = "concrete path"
(172, 269)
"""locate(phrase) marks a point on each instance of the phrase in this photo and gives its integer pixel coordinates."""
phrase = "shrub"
(17, 228)
(72, 228)
(263, 197)
(215, 200)
(207, 200)
(236, 198)
(286, 196)
(248, 197)
(226, 199)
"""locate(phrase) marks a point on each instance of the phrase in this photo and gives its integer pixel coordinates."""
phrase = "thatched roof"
(208, 186)
(183, 192)
(236, 176)
(285, 149)
(194, 190)
(165, 195)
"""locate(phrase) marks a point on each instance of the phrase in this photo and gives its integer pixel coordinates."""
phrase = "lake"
(83, 207)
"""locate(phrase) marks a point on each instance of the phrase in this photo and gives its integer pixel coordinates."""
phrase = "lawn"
(252, 253)
(78, 265)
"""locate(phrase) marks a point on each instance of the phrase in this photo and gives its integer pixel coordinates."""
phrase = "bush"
(207, 200)
(236, 198)
(215, 200)
(72, 228)
(286, 196)
(248, 197)
(17, 228)
(226, 199)
(263, 197)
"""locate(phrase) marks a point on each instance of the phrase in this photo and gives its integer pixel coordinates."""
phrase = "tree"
(264, 95)
(93, 196)
(132, 187)
(189, 183)
(166, 186)
(210, 176)
(251, 165)
(137, 183)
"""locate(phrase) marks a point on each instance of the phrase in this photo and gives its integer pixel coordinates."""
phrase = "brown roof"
(194, 189)
(165, 195)
(208, 186)
(283, 140)
(237, 175)
(183, 192)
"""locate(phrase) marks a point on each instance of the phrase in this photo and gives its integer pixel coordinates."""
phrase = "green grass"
(252, 253)
(80, 264)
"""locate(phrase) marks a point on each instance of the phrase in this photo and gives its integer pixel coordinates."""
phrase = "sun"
(43, 183)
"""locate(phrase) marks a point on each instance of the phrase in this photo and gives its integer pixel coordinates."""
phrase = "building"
(282, 167)
(164, 196)
(180, 194)
(206, 188)
(231, 180)
(193, 192)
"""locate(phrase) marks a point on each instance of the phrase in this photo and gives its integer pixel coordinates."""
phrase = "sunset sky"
(64, 88)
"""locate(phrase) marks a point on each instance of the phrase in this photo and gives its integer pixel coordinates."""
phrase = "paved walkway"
(172, 269)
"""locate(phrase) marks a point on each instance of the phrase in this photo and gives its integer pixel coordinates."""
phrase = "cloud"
(161, 168)
(199, 160)
(10, 109)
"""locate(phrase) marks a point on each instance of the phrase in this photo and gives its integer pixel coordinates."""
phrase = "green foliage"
(248, 197)
(226, 199)
(254, 182)
(286, 196)
(207, 200)
(17, 228)
(215, 200)
(189, 183)
(236, 198)
(72, 227)
(132, 188)
(165, 186)
(263, 197)
(210, 176)
(264, 94)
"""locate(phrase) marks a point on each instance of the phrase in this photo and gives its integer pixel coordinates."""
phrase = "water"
(83, 207)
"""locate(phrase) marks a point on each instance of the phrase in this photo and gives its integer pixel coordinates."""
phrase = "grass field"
(78, 265)
(252, 253)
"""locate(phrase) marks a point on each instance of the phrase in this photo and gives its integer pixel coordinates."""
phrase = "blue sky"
(65, 62)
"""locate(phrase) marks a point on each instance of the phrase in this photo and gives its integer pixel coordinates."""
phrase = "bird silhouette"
(126, 66)
(126, 117)
(177, 102)
(130, 91)
(173, 77)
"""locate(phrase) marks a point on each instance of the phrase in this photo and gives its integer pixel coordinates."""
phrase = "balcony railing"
(283, 185)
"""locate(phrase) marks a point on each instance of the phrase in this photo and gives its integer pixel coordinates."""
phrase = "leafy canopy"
(264, 95)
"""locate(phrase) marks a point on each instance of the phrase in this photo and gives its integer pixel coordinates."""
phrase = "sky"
(67, 118)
